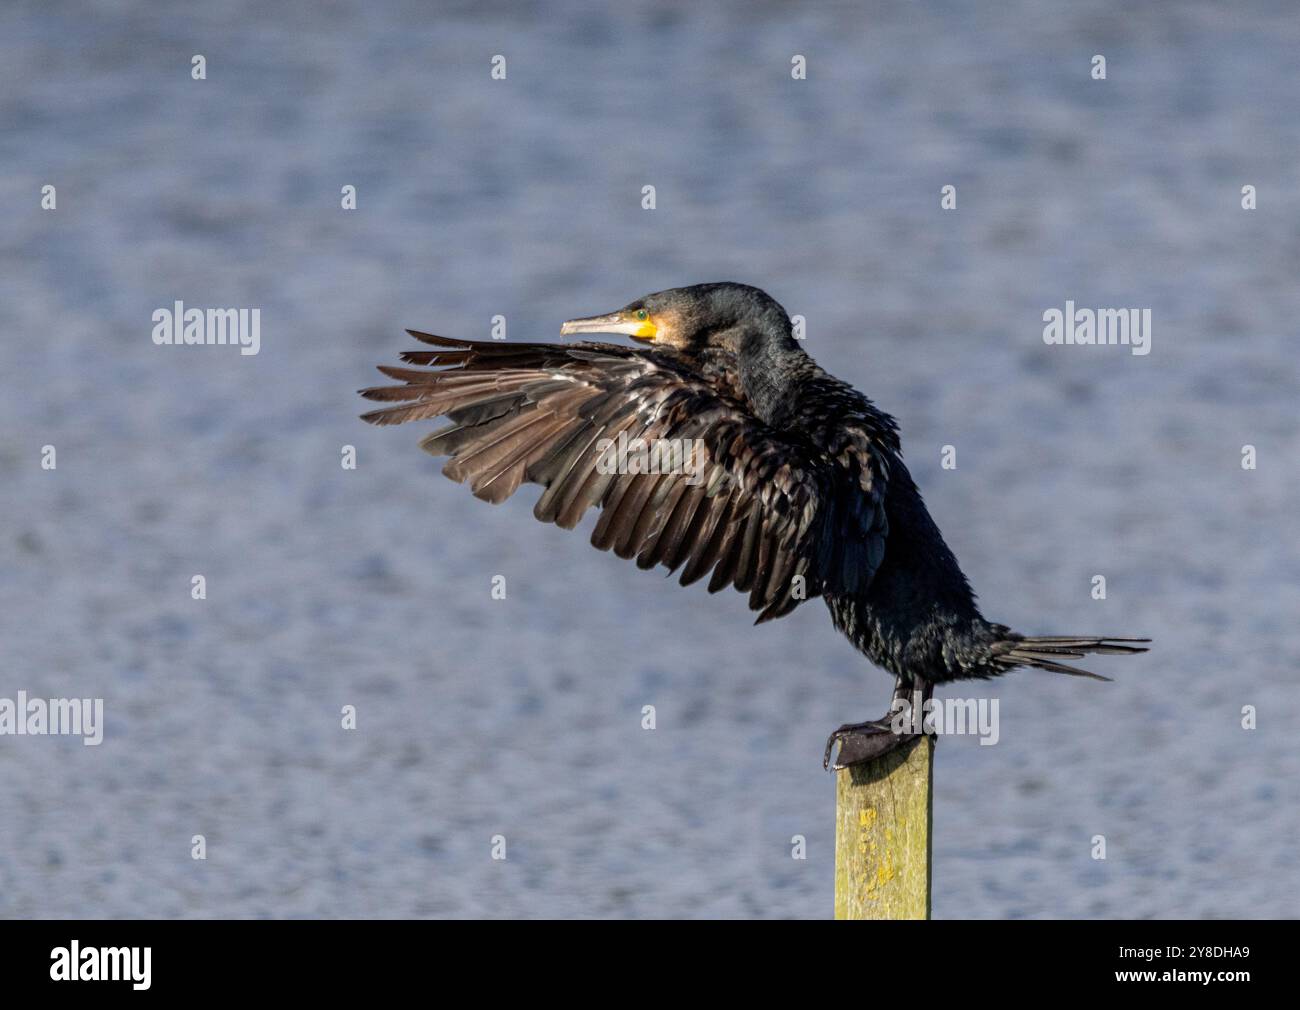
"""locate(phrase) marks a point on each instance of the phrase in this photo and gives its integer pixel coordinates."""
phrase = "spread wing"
(746, 505)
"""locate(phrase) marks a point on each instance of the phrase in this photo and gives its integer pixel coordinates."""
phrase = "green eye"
(641, 314)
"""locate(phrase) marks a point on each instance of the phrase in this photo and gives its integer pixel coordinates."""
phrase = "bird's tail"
(1045, 652)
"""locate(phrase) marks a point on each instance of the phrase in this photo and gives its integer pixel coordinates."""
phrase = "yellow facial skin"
(645, 328)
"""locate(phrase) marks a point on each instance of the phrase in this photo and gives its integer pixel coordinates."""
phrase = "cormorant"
(801, 491)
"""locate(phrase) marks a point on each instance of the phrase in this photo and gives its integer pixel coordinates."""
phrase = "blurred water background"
(522, 198)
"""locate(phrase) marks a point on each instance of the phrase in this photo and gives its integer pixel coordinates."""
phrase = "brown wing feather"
(769, 507)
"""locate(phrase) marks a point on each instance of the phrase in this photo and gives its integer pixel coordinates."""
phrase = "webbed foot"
(867, 741)
(863, 741)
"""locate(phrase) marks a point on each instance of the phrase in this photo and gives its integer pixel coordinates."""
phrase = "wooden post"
(883, 818)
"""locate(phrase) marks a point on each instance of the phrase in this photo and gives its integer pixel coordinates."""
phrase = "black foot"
(863, 741)
(866, 741)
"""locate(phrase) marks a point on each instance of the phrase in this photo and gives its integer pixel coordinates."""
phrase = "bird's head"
(690, 318)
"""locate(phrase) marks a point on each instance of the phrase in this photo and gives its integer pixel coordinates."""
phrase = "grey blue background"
(522, 198)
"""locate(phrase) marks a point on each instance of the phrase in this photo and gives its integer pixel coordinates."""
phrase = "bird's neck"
(769, 366)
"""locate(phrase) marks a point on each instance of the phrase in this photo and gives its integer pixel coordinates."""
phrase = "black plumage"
(802, 490)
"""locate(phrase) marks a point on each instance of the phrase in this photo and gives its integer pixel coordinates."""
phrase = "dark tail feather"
(1045, 652)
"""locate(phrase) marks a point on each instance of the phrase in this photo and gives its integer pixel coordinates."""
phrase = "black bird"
(796, 487)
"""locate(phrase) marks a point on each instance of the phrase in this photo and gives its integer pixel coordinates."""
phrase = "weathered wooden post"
(883, 817)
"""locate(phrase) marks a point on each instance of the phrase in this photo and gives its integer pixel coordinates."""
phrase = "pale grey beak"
(612, 323)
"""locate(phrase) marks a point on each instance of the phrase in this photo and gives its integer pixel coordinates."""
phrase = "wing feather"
(782, 516)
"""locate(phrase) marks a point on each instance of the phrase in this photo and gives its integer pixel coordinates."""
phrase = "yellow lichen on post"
(883, 816)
